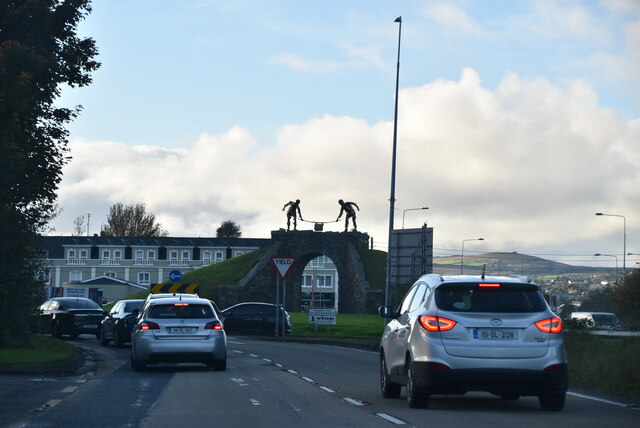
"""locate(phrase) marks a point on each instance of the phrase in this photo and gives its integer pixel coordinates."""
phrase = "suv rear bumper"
(498, 381)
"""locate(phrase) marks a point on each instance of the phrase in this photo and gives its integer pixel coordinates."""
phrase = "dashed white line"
(326, 389)
(354, 401)
(308, 379)
(292, 371)
(391, 419)
(69, 389)
(254, 402)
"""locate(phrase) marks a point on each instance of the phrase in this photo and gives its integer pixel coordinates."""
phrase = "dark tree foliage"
(228, 229)
(626, 301)
(131, 220)
(39, 51)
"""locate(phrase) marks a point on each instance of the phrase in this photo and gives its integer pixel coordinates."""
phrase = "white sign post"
(283, 266)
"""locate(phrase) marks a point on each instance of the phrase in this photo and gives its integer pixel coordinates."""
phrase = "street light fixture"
(624, 242)
(392, 196)
(610, 255)
(411, 209)
(462, 252)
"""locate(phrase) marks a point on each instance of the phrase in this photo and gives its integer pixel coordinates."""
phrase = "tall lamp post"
(462, 252)
(624, 241)
(610, 255)
(392, 197)
(411, 209)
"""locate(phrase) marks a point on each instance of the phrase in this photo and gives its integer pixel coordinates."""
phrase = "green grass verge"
(43, 350)
(354, 326)
(603, 363)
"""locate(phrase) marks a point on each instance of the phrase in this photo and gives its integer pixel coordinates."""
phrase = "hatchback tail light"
(433, 323)
(549, 325)
(149, 325)
(213, 325)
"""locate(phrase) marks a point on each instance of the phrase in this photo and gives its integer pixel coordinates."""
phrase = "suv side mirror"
(387, 312)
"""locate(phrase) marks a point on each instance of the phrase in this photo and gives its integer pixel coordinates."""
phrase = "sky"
(517, 121)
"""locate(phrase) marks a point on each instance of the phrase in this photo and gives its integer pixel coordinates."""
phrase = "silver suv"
(454, 334)
(178, 329)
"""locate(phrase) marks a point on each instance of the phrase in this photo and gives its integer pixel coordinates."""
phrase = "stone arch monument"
(354, 293)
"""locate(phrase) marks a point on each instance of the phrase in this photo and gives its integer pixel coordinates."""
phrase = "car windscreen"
(600, 319)
(474, 297)
(130, 306)
(79, 304)
(181, 310)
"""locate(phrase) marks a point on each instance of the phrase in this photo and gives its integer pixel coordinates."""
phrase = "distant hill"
(498, 263)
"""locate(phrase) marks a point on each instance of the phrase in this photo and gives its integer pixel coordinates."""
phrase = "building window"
(325, 280)
(318, 262)
(219, 256)
(75, 276)
(106, 256)
(83, 255)
(139, 255)
(173, 256)
(117, 255)
(306, 280)
(72, 254)
(206, 258)
(185, 256)
(239, 253)
(110, 274)
(144, 278)
(151, 255)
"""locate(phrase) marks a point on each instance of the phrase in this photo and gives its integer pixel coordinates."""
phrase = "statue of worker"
(347, 207)
(293, 211)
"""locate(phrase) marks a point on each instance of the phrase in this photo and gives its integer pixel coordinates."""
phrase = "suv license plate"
(495, 334)
(181, 330)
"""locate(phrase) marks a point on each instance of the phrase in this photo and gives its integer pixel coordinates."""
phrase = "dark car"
(255, 318)
(119, 323)
(70, 315)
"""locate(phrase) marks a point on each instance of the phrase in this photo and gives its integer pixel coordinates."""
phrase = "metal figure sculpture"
(347, 207)
(293, 211)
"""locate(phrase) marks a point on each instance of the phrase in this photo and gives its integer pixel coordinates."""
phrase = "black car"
(119, 323)
(255, 318)
(70, 315)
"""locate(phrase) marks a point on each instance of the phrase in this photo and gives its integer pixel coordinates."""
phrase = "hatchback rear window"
(170, 311)
(470, 297)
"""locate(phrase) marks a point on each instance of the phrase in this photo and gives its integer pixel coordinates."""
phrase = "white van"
(598, 320)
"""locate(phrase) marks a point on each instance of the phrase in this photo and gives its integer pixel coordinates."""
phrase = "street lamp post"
(610, 255)
(411, 209)
(462, 252)
(624, 241)
(392, 197)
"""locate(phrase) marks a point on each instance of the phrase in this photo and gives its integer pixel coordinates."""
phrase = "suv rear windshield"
(470, 297)
(181, 310)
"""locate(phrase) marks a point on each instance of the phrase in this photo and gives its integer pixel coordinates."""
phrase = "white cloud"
(524, 166)
(451, 17)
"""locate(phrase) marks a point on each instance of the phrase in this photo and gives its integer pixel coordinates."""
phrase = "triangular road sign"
(283, 265)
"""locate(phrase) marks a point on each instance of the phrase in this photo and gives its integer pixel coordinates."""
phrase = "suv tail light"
(149, 325)
(433, 323)
(550, 325)
(213, 325)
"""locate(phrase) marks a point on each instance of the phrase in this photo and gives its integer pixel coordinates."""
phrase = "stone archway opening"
(319, 285)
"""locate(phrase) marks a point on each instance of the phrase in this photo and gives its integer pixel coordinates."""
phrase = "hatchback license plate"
(181, 330)
(495, 334)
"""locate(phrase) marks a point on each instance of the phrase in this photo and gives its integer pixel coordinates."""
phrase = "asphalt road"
(267, 384)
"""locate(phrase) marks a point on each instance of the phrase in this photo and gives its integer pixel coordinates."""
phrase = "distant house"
(120, 266)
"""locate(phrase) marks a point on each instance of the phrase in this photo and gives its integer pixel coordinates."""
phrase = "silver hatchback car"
(178, 329)
(454, 334)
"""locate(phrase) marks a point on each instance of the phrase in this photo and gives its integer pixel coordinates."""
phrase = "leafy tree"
(131, 220)
(39, 51)
(228, 229)
(626, 300)
(79, 227)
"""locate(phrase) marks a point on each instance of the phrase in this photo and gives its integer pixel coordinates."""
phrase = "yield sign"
(283, 265)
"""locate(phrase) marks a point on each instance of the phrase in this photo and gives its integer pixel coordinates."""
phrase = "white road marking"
(391, 419)
(602, 400)
(292, 371)
(253, 355)
(326, 389)
(254, 402)
(69, 389)
(308, 379)
(353, 401)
